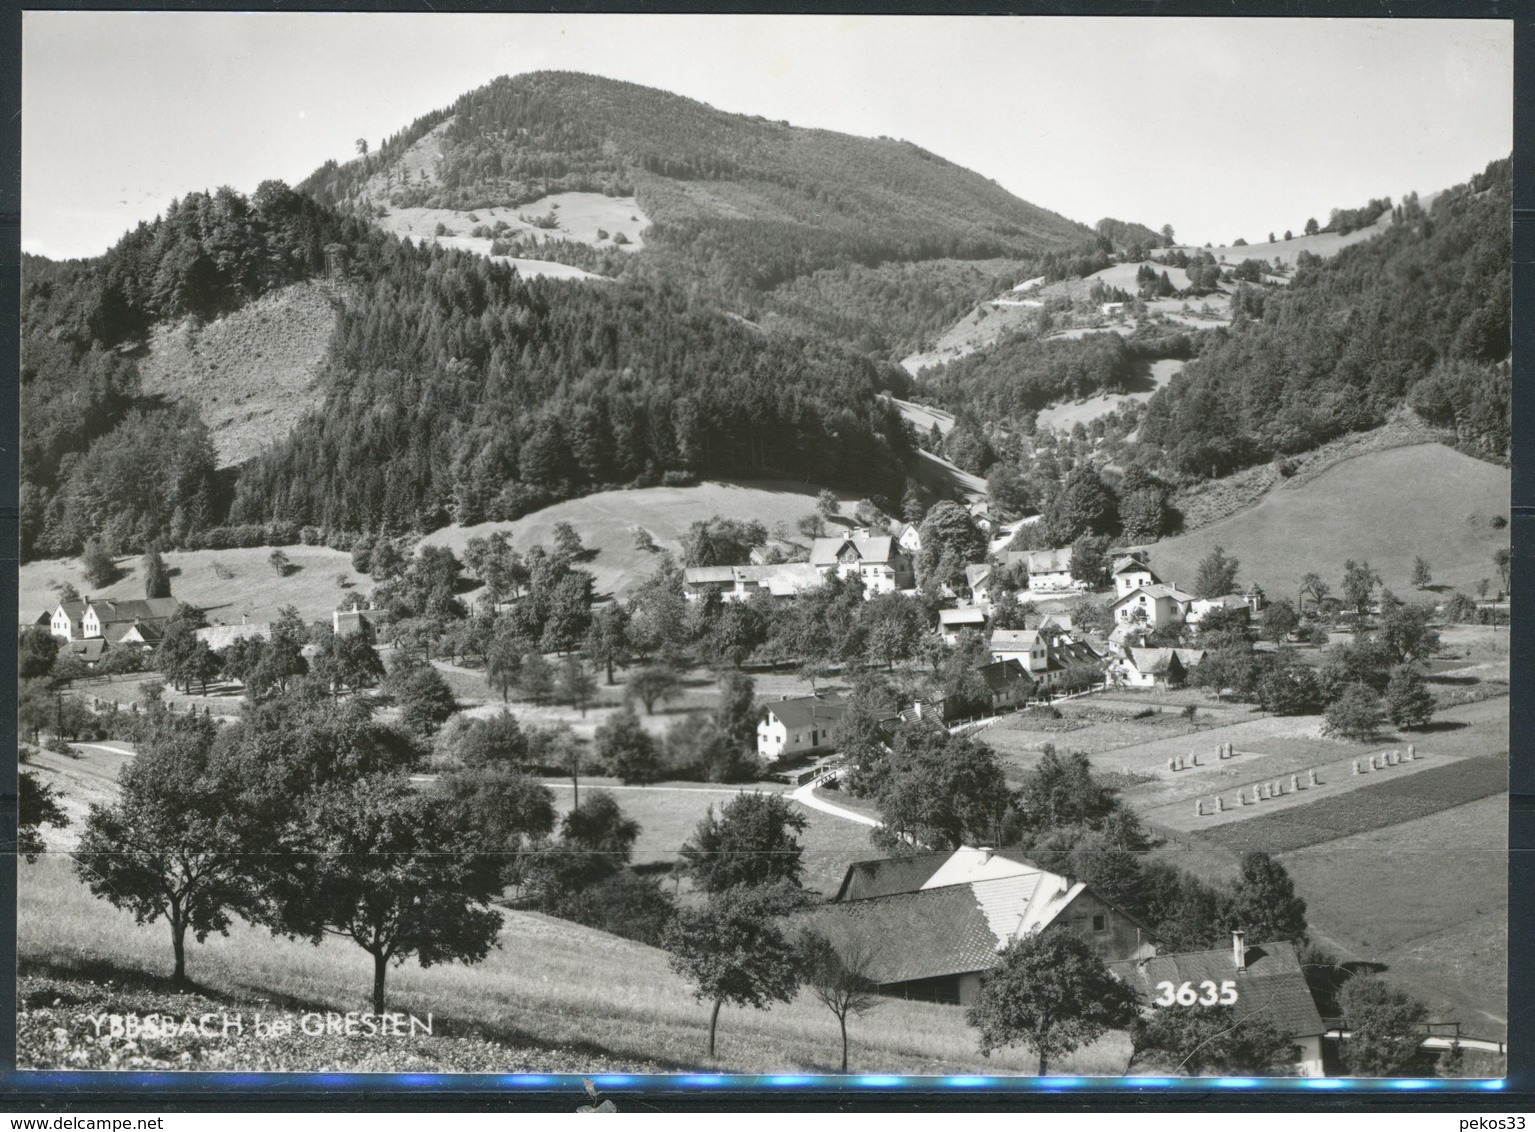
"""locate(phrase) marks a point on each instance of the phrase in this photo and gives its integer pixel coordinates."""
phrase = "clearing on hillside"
(1383, 507)
(608, 520)
(252, 588)
(252, 374)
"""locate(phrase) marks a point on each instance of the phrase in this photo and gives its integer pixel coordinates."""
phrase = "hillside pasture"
(1383, 507)
(607, 522)
(579, 217)
(1151, 377)
(560, 996)
(253, 590)
(1428, 898)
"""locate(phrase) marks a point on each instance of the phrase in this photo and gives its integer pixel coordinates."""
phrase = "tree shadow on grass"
(1438, 727)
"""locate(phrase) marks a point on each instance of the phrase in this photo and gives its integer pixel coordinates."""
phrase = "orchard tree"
(170, 847)
(1420, 573)
(577, 686)
(628, 749)
(382, 864)
(1359, 582)
(1051, 993)
(37, 805)
(734, 949)
(1356, 714)
(753, 840)
(1279, 620)
(607, 640)
(839, 974)
(1409, 703)
(939, 791)
(654, 684)
(1217, 574)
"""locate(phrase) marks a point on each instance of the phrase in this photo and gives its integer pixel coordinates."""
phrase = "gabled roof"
(866, 880)
(964, 615)
(782, 579)
(870, 548)
(1154, 591)
(1158, 662)
(135, 609)
(145, 631)
(1129, 564)
(977, 573)
(88, 650)
(697, 574)
(1002, 673)
(354, 619)
(806, 711)
(74, 610)
(916, 935)
(1273, 984)
(1056, 561)
(1014, 640)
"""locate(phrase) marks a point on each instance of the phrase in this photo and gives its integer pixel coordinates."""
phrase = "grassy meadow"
(1358, 509)
(554, 995)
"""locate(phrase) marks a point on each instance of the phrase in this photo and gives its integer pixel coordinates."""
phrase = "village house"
(1047, 653)
(1266, 979)
(978, 581)
(369, 622)
(952, 622)
(1130, 573)
(790, 728)
(68, 620)
(220, 637)
(1151, 668)
(103, 614)
(909, 539)
(1148, 607)
(1049, 570)
(938, 920)
(1008, 685)
(876, 560)
(1202, 606)
(113, 620)
(741, 583)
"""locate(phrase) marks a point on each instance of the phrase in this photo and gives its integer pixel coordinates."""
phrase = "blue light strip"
(50, 1080)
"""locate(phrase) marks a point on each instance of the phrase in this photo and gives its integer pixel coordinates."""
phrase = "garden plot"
(1388, 800)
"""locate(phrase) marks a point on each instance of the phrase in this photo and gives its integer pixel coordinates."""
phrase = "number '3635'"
(1186, 994)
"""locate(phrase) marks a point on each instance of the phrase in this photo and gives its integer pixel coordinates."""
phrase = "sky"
(1222, 127)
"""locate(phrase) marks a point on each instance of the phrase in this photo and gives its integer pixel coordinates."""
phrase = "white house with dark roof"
(1151, 607)
(102, 614)
(876, 560)
(1151, 668)
(1046, 653)
(68, 620)
(789, 728)
(1264, 980)
(1130, 573)
(1049, 570)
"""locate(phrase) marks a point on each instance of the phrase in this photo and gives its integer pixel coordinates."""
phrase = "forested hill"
(742, 202)
(455, 388)
(1420, 315)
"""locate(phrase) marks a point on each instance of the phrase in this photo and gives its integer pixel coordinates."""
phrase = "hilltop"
(758, 201)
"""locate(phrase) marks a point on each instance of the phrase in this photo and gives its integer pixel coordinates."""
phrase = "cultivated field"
(554, 996)
(607, 522)
(253, 589)
(1358, 509)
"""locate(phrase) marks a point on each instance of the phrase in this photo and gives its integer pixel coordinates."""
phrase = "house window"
(1100, 923)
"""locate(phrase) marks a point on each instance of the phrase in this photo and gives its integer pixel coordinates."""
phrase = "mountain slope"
(747, 202)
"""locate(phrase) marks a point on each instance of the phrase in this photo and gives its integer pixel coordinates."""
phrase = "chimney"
(985, 851)
(1239, 949)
